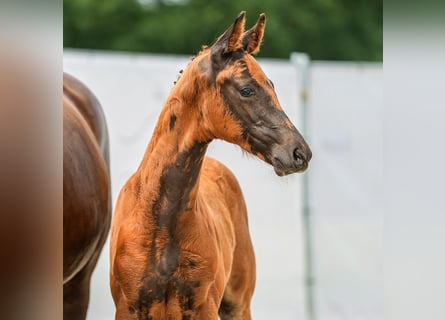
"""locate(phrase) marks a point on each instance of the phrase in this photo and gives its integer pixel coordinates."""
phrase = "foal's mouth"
(283, 170)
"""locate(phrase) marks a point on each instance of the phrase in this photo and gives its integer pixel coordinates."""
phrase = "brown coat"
(86, 193)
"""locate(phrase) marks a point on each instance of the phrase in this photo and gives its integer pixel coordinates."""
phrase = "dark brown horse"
(180, 244)
(86, 193)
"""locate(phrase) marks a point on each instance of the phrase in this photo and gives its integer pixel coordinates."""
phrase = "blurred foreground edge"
(30, 167)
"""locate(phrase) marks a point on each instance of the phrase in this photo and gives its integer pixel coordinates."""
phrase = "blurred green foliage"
(326, 29)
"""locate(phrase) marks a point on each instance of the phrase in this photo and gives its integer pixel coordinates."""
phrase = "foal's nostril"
(297, 154)
(298, 157)
(305, 156)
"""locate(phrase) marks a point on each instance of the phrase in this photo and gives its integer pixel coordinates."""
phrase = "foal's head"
(238, 102)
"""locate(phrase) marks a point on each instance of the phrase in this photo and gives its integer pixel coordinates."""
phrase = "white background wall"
(346, 179)
(345, 175)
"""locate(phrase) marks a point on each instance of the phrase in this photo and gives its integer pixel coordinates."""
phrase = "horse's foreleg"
(239, 290)
(235, 306)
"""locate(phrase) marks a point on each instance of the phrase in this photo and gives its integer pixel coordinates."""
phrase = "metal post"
(302, 62)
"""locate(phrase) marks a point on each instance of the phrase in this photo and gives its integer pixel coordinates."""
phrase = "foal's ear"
(252, 38)
(231, 39)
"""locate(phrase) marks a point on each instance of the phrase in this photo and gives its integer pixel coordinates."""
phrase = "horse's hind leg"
(238, 293)
(76, 295)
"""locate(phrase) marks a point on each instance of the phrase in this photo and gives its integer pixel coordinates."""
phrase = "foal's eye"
(247, 92)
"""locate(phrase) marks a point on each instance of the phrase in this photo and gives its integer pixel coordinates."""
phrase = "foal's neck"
(170, 169)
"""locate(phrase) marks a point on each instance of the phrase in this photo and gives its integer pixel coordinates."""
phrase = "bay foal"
(86, 193)
(180, 244)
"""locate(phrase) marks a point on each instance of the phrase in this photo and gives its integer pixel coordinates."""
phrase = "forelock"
(234, 69)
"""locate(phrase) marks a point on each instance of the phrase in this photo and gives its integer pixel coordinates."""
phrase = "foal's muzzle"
(290, 157)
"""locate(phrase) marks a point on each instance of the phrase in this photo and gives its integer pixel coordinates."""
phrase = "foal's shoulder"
(215, 167)
(215, 170)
